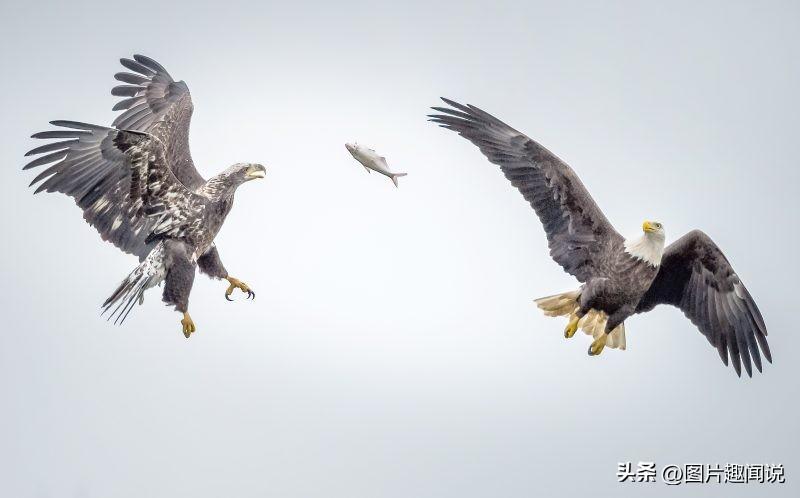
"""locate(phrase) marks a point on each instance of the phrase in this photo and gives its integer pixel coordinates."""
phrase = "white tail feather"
(149, 273)
(559, 304)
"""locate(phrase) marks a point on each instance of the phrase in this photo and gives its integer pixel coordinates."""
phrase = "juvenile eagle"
(620, 277)
(137, 185)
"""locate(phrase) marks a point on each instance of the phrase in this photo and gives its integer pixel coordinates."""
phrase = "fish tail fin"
(131, 290)
(395, 176)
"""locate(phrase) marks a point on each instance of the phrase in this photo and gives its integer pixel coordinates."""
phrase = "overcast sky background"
(394, 349)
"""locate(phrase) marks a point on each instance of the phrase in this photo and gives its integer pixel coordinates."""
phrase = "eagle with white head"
(620, 277)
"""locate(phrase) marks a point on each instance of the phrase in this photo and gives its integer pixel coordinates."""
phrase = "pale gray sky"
(394, 349)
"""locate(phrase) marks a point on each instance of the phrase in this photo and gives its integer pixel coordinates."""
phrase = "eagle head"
(240, 173)
(225, 184)
(650, 246)
(653, 229)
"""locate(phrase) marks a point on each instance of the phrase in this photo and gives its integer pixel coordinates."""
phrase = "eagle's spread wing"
(120, 179)
(155, 188)
(697, 278)
(88, 167)
(161, 106)
(578, 233)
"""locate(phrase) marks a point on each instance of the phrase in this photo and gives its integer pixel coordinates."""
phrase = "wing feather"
(157, 104)
(137, 67)
(130, 78)
(696, 277)
(578, 233)
(125, 104)
(150, 63)
(50, 147)
(59, 134)
(125, 90)
(97, 168)
(47, 158)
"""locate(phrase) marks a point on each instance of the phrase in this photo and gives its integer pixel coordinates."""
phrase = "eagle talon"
(572, 327)
(597, 346)
(188, 325)
(235, 283)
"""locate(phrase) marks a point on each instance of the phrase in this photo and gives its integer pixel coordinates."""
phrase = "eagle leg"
(178, 281)
(235, 283)
(572, 326)
(598, 344)
(611, 323)
(188, 325)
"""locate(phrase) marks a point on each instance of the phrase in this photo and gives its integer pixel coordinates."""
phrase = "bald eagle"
(137, 185)
(620, 277)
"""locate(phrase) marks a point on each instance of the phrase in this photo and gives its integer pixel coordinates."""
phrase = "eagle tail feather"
(130, 291)
(559, 304)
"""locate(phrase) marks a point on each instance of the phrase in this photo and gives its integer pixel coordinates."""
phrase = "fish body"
(372, 161)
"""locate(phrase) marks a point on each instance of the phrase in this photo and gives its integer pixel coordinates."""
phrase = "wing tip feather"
(150, 63)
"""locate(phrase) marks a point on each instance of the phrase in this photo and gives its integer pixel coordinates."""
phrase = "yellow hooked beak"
(648, 226)
(255, 171)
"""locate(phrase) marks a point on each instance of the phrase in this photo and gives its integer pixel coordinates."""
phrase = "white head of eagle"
(650, 246)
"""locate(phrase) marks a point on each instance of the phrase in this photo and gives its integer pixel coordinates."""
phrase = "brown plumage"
(137, 185)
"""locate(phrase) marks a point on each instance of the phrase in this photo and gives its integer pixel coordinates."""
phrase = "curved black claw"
(251, 295)
(228, 297)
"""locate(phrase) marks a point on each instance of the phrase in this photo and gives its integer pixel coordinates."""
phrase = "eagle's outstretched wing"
(120, 179)
(155, 188)
(697, 278)
(161, 106)
(578, 233)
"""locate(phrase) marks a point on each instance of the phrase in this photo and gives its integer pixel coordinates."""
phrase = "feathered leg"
(572, 325)
(211, 264)
(614, 320)
(579, 306)
(179, 280)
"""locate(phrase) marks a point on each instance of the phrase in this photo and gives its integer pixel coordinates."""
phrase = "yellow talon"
(597, 346)
(235, 283)
(572, 326)
(188, 325)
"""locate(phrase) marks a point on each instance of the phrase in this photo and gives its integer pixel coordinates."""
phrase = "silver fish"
(372, 161)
